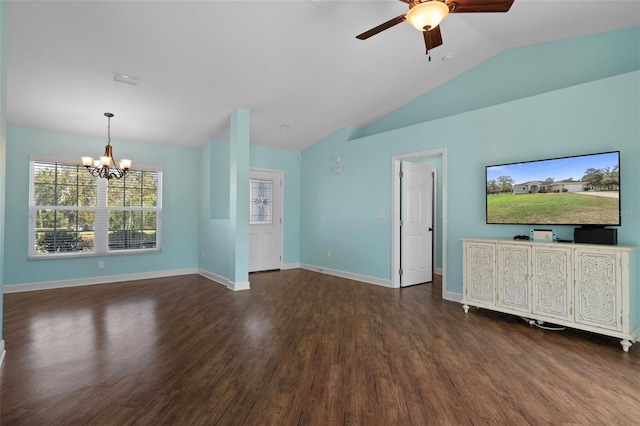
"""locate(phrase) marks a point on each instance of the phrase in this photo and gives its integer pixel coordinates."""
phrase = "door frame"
(280, 173)
(395, 213)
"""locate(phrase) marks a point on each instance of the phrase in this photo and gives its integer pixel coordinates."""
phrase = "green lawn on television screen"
(552, 208)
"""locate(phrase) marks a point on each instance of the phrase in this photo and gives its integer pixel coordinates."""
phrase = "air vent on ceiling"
(126, 79)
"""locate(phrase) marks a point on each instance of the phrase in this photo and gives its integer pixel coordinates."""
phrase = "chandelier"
(106, 167)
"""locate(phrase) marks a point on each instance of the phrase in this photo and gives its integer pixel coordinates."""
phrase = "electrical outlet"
(328, 253)
(100, 265)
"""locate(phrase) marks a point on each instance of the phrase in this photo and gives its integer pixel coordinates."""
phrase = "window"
(72, 213)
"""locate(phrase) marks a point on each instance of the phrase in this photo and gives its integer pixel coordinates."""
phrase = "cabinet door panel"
(514, 270)
(598, 289)
(479, 272)
(552, 282)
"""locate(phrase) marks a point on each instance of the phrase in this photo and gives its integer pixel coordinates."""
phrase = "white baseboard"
(240, 286)
(48, 285)
(213, 277)
(449, 295)
(2, 352)
(349, 275)
(224, 281)
(438, 271)
(286, 266)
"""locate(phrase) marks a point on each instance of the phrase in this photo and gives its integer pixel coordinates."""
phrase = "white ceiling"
(288, 62)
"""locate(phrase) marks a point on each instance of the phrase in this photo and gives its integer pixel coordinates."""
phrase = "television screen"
(578, 190)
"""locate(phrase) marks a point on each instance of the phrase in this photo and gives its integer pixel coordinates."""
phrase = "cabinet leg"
(626, 344)
(466, 308)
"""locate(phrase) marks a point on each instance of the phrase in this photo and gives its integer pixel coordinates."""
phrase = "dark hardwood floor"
(299, 348)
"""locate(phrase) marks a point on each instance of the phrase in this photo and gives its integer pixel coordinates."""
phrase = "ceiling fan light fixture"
(427, 15)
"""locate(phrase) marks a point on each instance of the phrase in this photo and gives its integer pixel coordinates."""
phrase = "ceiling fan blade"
(373, 31)
(432, 38)
(479, 6)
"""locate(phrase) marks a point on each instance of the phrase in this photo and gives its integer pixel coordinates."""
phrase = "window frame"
(101, 215)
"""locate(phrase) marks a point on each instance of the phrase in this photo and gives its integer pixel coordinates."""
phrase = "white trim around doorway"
(281, 176)
(395, 215)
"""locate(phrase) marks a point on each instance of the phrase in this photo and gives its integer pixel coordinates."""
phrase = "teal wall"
(239, 199)
(519, 73)
(340, 212)
(219, 180)
(216, 233)
(214, 230)
(179, 207)
(223, 235)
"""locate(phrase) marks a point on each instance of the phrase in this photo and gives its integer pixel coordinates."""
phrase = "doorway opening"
(438, 157)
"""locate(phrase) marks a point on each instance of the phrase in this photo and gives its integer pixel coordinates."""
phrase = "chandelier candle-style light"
(106, 167)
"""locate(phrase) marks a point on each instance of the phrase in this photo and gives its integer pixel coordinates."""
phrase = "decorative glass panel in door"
(261, 202)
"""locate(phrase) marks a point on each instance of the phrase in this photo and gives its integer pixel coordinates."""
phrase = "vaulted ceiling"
(296, 65)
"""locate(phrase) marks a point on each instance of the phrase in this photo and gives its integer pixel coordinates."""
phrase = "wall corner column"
(239, 199)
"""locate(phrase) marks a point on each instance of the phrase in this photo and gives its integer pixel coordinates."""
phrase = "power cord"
(539, 324)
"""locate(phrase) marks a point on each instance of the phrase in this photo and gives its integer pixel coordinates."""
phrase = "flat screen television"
(581, 190)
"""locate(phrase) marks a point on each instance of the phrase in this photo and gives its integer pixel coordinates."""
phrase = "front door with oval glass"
(265, 220)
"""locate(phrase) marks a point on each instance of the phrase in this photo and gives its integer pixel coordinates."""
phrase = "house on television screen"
(535, 187)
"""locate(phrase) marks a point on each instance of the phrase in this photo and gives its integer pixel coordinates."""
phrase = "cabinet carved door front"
(479, 271)
(598, 293)
(552, 282)
(514, 269)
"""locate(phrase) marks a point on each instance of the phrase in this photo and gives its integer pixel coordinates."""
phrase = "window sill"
(92, 254)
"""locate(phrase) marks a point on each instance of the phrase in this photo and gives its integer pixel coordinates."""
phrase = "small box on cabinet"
(543, 235)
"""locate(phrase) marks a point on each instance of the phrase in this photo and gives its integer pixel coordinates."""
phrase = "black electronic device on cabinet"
(594, 235)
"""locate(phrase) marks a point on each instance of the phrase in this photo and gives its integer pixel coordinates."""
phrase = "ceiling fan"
(427, 15)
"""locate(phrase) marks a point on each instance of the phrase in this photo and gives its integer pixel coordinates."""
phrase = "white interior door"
(416, 231)
(265, 220)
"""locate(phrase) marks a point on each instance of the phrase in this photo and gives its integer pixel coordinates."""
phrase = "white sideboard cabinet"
(583, 286)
